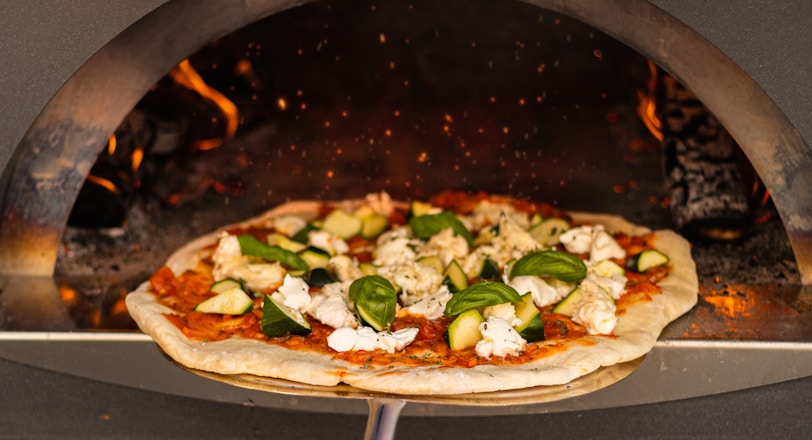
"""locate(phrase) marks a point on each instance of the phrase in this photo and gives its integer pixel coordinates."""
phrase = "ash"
(763, 257)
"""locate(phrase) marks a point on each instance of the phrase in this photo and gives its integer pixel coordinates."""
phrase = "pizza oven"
(131, 129)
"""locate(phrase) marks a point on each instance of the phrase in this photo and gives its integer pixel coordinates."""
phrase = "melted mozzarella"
(543, 292)
(366, 339)
(345, 267)
(614, 285)
(596, 311)
(432, 306)
(499, 338)
(487, 213)
(604, 247)
(446, 245)
(396, 247)
(294, 293)
(592, 240)
(289, 224)
(577, 240)
(415, 280)
(512, 242)
(332, 310)
(331, 243)
(230, 263)
(504, 311)
(380, 203)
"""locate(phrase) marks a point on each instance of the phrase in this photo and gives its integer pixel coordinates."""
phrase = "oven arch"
(52, 160)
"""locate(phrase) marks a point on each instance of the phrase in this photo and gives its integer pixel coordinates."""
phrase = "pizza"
(461, 293)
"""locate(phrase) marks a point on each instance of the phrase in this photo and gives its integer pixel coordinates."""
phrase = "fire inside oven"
(336, 100)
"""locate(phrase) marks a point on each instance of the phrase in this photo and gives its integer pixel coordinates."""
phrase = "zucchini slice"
(433, 262)
(548, 231)
(416, 209)
(455, 277)
(320, 277)
(281, 240)
(315, 258)
(485, 236)
(368, 268)
(464, 330)
(226, 284)
(607, 268)
(532, 326)
(567, 305)
(280, 320)
(233, 301)
(484, 269)
(533, 331)
(342, 223)
(373, 225)
(646, 260)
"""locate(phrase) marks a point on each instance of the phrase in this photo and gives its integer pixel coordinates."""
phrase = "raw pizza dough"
(636, 332)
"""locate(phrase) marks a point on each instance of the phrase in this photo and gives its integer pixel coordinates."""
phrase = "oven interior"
(309, 104)
(333, 100)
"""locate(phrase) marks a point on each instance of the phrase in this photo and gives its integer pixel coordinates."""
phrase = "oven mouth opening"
(330, 135)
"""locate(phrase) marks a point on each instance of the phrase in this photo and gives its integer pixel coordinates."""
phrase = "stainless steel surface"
(674, 370)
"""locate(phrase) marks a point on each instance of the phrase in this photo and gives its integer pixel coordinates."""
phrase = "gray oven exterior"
(51, 389)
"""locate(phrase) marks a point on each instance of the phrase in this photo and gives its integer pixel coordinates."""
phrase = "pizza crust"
(636, 332)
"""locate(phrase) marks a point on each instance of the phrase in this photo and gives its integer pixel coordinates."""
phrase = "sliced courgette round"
(342, 223)
(432, 261)
(455, 277)
(464, 330)
(233, 301)
(608, 269)
(319, 277)
(280, 320)
(417, 209)
(281, 240)
(315, 257)
(368, 268)
(225, 284)
(485, 269)
(532, 326)
(373, 225)
(567, 305)
(646, 260)
(548, 231)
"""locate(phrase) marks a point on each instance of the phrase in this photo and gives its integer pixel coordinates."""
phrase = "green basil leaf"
(480, 295)
(558, 265)
(375, 300)
(425, 226)
(250, 246)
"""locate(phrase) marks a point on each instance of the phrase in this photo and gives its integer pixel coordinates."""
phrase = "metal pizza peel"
(384, 408)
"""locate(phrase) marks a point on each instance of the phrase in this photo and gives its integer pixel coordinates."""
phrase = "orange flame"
(185, 75)
(136, 158)
(647, 107)
(111, 144)
(104, 183)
